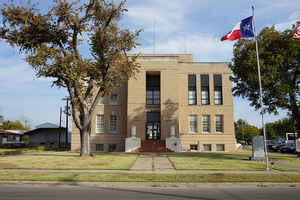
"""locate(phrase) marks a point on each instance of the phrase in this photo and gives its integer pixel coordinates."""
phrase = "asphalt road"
(50, 192)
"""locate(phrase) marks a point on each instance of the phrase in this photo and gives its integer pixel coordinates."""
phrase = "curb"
(148, 184)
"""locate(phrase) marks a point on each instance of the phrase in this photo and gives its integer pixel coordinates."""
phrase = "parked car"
(288, 148)
(276, 147)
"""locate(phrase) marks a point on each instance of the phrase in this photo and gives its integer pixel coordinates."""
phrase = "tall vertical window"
(193, 123)
(206, 123)
(219, 123)
(114, 99)
(153, 89)
(113, 123)
(204, 89)
(101, 101)
(192, 90)
(218, 97)
(90, 99)
(99, 123)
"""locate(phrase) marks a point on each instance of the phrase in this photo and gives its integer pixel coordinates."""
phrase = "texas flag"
(243, 29)
(296, 35)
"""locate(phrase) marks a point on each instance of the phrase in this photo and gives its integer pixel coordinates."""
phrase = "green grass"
(292, 162)
(127, 177)
(238, 161)
(67, 160)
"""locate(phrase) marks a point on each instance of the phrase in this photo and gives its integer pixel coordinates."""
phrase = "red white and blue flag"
(243, 29)
(297, 33)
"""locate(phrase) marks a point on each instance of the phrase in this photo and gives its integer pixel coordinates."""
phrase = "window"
(193, 123)
(99, 123)
(113, 123)
(112, 147)
(113, 99)
(153, 96)
(220, 147)
(90, 99)
(152, 89)
(204, 89)
(219, 123)
(193, 147)
(207, 147)
(218, 96)
(101, 101)
(206, 123)
(192, 94)
(99, 147)
(156, 97)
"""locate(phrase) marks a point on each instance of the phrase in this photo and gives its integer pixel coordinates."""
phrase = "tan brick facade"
(173, 70)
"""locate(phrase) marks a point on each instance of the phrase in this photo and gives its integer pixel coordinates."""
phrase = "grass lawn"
(220, 161)
(289, 159)
(127, 177)
(292, 162)
(67, 160)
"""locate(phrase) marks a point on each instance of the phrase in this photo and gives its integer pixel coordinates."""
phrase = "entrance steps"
(153, 146)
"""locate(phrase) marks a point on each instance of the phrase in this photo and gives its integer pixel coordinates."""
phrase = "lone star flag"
(243, 29)
(297, 33)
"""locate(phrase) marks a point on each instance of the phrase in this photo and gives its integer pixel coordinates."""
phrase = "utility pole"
(67, 121)
(67, 116)
(243, 126)
(60, 112)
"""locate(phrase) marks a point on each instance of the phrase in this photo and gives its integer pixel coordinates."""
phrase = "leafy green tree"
(245, 131)
(13, 125)
(51, 41)
(280, 69)
(279, 127)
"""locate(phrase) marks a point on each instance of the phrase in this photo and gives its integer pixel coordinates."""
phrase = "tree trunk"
(85, 141)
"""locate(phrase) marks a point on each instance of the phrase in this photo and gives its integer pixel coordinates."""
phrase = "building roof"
(19, 132)
(37, 130)
(47, 125)
(4, 132)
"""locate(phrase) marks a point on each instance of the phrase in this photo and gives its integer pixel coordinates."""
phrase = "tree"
(245, 131)
(11, 125)
(51, 42)
(279, 127)
(279, 57)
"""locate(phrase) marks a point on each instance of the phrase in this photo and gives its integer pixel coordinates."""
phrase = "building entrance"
(153, 126)
(153, 131)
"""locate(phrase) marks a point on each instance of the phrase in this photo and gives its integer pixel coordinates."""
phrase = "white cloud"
(292, 19)
(167, 16)
(15, 73)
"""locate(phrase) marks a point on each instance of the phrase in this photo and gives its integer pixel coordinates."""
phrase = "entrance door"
(153, 126)
(153, 131)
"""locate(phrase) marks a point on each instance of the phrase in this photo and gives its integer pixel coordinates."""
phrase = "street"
(74, 192)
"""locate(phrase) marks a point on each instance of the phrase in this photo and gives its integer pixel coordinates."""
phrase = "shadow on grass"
(224, 156)
(51, 155)
(11, 153)
(70, 178)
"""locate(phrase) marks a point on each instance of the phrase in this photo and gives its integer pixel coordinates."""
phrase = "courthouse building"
(171, 97)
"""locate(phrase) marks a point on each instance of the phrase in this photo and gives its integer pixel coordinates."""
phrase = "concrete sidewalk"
(153, 162)
(149, 171)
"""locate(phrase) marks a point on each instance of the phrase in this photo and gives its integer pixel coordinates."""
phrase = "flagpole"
(260, 91)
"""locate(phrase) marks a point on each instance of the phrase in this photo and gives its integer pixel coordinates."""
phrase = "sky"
(189, 26)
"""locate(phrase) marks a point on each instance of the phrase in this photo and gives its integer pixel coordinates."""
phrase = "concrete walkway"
(133, 171)
(153, 162)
